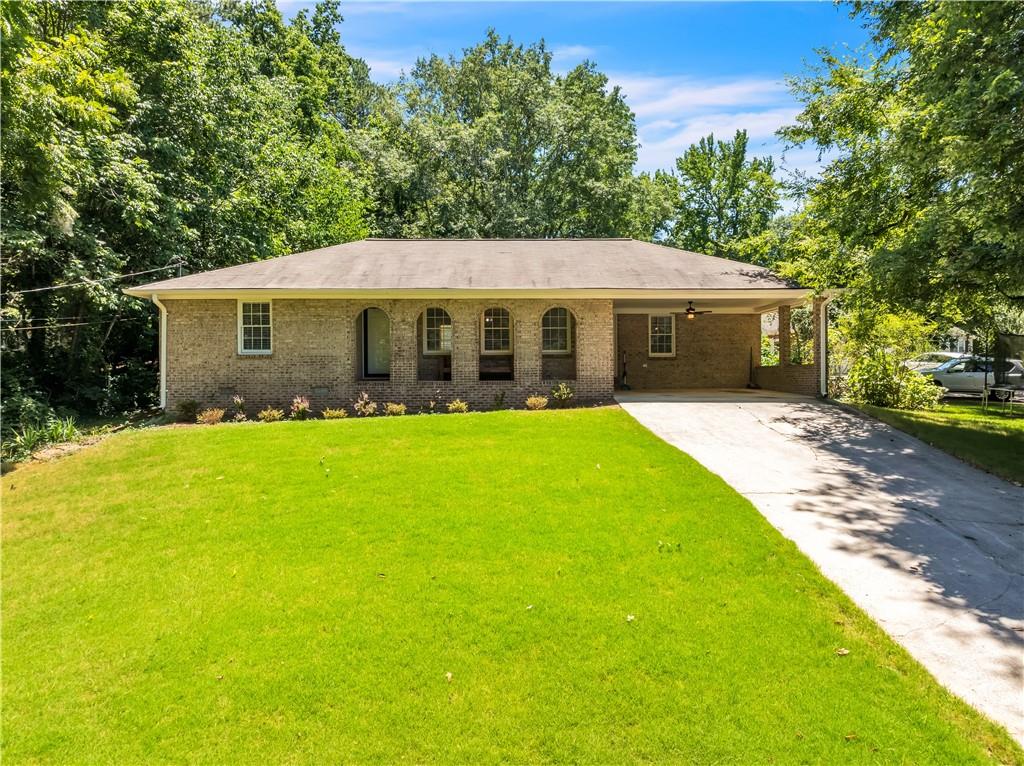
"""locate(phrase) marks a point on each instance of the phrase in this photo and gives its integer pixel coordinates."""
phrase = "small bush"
(563, 392)
(188, 411)
(210, 417)
(364, 406)
(334, 414)
(33, 437)
(270, 415)
(393, 408)
(457, 405)
(238, 402)
(300, 408)
(880, 379)
(239, 417)
(536, 402)
(499, 400)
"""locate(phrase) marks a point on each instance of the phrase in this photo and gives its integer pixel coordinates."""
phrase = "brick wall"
(794, 378)
(315, 354)
(712, 351)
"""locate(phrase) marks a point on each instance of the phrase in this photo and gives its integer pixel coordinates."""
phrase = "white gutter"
(163, 350)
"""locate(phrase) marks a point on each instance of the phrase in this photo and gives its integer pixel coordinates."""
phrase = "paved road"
(931, 548)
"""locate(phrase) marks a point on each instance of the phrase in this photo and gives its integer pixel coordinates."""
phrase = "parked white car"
(932, 359)
(971, 375)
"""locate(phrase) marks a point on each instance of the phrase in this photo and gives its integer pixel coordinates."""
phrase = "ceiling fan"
(691, 312)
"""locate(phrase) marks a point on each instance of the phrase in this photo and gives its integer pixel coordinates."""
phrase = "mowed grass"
(992, 440)
(299, 593)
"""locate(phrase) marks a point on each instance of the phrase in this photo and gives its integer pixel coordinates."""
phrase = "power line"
(91, 281)
(23, 328)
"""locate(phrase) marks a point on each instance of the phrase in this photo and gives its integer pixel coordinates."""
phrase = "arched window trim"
(483, 333)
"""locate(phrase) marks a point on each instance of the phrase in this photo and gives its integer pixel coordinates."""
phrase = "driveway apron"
(931, 548)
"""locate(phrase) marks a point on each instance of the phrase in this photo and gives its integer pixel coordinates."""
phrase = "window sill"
(257, 354)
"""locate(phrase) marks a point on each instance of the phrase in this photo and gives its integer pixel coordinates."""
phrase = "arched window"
(558, 344)
(496, 333)
(556, 331)
(435, 330)
(497, 361)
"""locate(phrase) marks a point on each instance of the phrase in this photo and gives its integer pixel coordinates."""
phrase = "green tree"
(157, 135)
(494, 144)
(726, 201)
(923, 205)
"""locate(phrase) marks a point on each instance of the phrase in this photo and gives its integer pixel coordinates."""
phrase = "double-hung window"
(555, 330)
(497, 331)
(437, 332)
(254, 329)
(661, 335)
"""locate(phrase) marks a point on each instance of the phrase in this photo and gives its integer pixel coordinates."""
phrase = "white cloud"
(573, 52)
(665, 97)
(387, 69)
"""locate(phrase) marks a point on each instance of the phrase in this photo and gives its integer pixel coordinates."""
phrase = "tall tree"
(494, 144)
(923, 205)
(156, 135)
(726, 201)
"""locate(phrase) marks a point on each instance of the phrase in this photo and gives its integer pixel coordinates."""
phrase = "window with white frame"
(437, 331)
(496, 333)
(661, 335)
(254, 331)
(556, 331)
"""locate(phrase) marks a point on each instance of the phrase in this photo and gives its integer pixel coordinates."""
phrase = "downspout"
(163, 350)
(823, 362)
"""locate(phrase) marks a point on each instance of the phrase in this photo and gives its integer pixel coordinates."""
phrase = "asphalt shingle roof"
(483, 264)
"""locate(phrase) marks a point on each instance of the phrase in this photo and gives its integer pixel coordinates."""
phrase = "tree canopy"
(923, 203)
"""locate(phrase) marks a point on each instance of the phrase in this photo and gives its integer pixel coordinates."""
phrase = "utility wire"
(91, 281)
(23, 328)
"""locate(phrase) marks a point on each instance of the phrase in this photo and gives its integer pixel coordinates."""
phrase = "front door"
(376, 344)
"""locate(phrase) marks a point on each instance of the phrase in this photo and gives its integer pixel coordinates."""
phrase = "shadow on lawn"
(980, 509)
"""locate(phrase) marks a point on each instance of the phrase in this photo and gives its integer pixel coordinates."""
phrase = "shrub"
(34, 436)
(270, 415)
(364, 406)
(499, 400)
(563, 392)
(188, 410)
(457, 405)
(239, 417)
(238, 402)
(880, 379)
(335, 414)
(536, 402)
(393, 408)
(300, 408)
(211, 416)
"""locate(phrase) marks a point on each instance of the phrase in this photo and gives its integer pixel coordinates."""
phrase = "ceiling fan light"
(690, 314)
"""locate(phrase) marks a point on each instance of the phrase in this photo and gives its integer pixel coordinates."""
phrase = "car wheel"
(1001, 396)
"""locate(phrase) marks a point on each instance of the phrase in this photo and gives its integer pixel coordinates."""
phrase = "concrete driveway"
(931, 548)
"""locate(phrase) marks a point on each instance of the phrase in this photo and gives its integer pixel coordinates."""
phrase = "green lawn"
(990, 440)
(299, 593)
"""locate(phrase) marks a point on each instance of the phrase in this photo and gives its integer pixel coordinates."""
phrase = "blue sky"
(686, 69)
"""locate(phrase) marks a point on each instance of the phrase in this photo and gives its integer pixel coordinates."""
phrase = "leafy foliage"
(494, 144)
(158, 136)
(879, 378)
(923, 205)
(727, 201)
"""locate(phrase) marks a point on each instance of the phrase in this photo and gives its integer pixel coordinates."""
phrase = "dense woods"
(148, 139)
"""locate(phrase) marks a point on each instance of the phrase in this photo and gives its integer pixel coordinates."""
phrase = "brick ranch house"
(416, 321)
